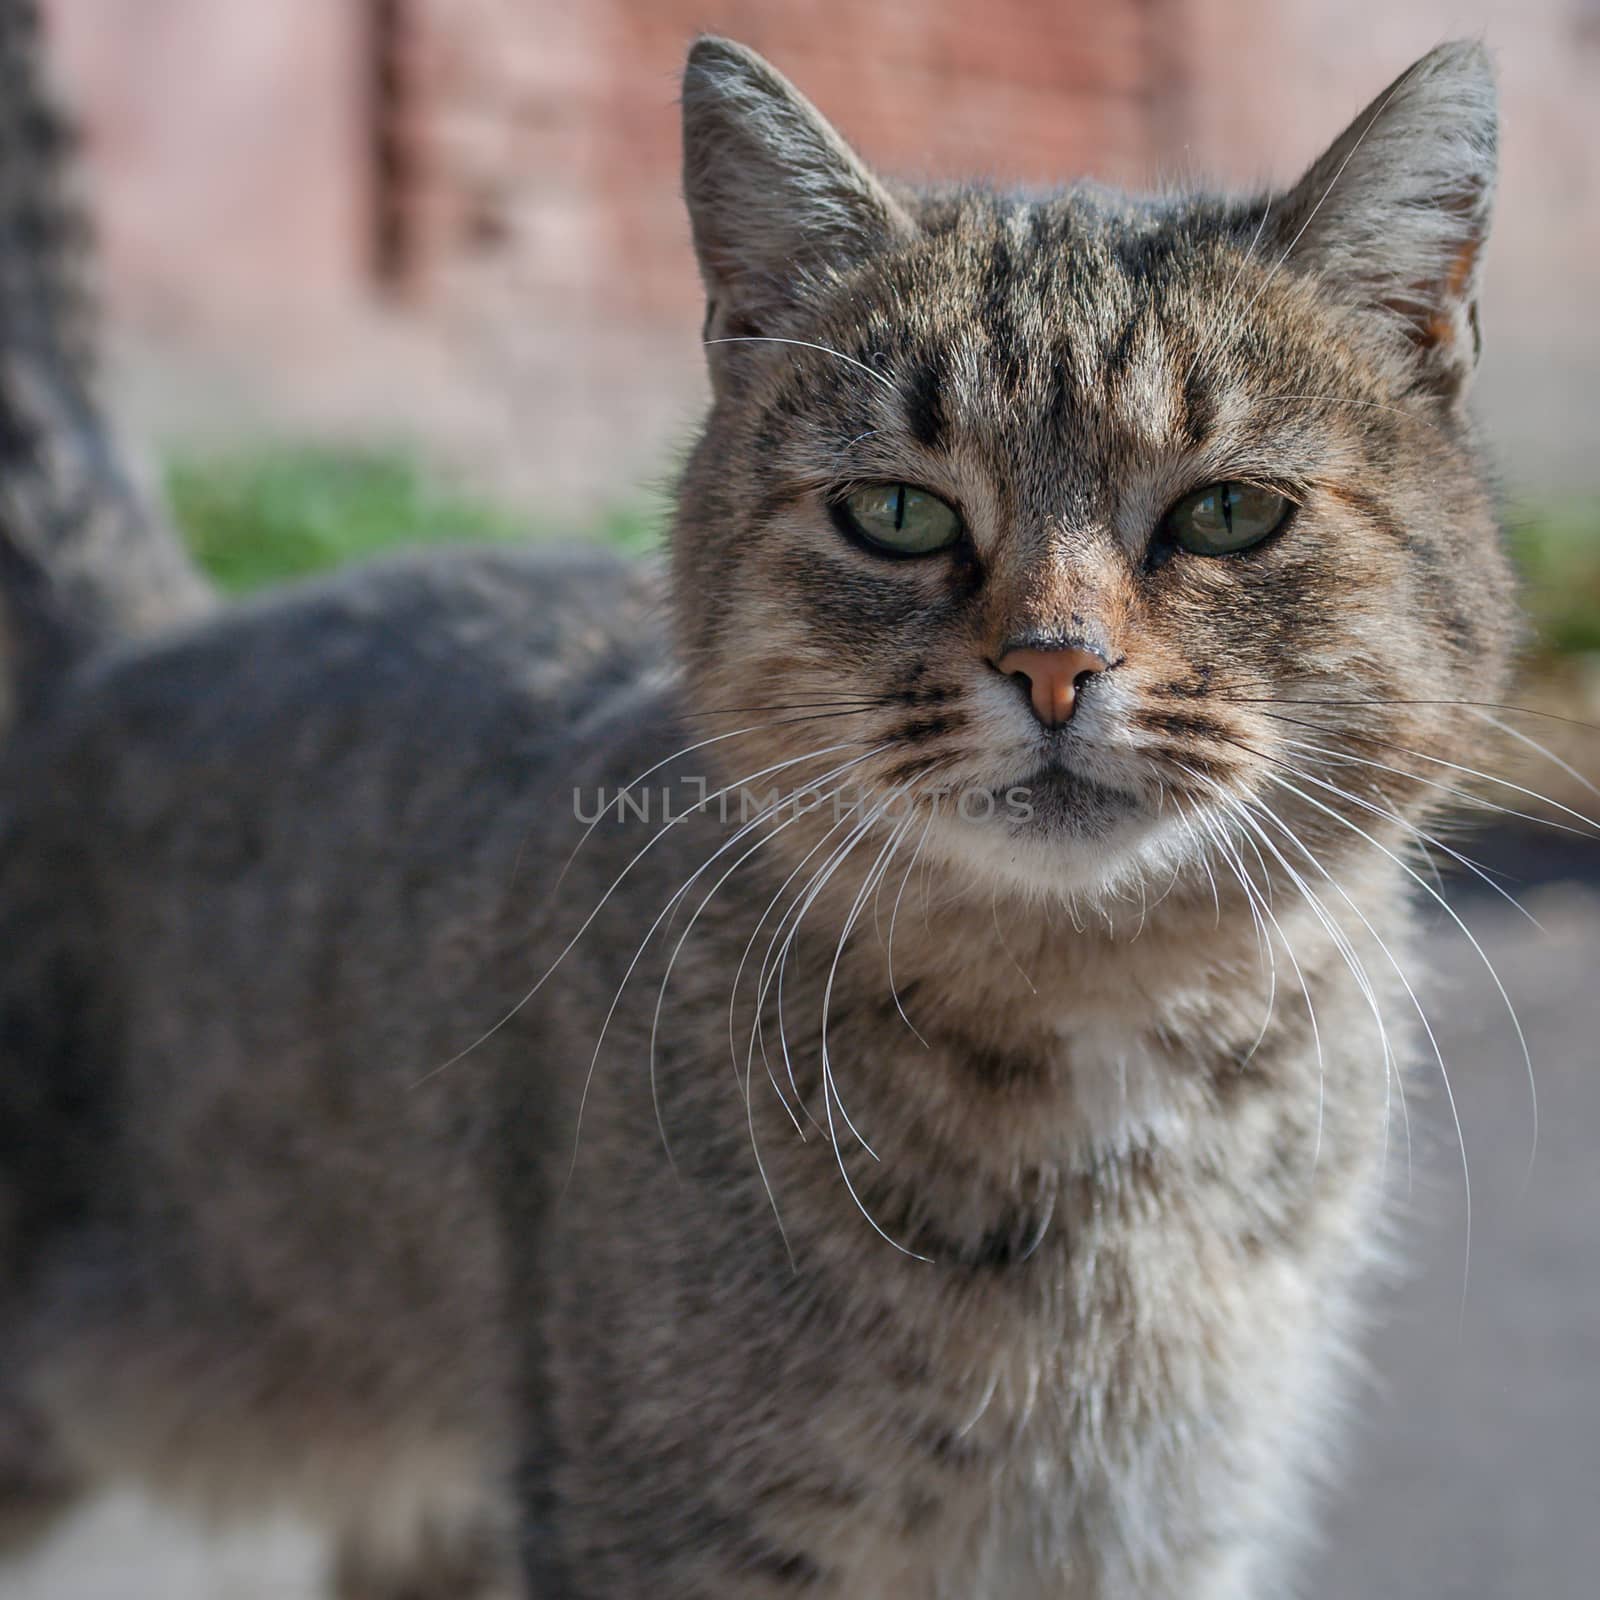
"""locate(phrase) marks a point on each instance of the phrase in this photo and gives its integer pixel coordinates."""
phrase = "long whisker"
(1590, 828)
(655, 1024)
(877, 898)
(1240, 814)
(1205, 861)
(830, 1095)
(845, 703)
(588, 921)
(1347, 952)
(666, 976)
(1288, 948)
(850, 920)
(772, 968)
(820, 880)
(818, 884)
(755, 1030)
(894, 917)
(1387, 700)
(1449, 911)
(749, 1098)
(1444, 1076)
(1390, 814)
(650, 771)
(1534, 745)
(1391, 1067)
(1252, 894)
(805, 344)
(638, 954)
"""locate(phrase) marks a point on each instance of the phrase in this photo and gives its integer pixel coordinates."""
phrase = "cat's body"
(352, 1165)
(332, 1211)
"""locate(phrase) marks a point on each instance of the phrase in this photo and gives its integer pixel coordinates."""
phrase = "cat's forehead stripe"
(924, 398)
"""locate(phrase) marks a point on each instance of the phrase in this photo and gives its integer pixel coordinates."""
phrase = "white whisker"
(588, 921)
(1534, 745)
(1449, 911)
(806, 344)
(666, 910)
(1391, 814)
(1590, 826)
(894, 917)
(733, 993)
(672, 960)
(1305, 990)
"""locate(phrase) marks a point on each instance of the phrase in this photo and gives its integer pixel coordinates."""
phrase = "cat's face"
(1194, 480)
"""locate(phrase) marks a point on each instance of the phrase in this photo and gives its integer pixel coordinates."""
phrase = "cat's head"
(1109, 515)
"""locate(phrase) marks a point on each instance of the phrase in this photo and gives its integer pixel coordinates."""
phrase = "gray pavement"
(1474, 1473)
(1474, 1466)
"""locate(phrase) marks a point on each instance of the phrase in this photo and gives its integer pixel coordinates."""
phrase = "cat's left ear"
(775, 196)
(1397, 211)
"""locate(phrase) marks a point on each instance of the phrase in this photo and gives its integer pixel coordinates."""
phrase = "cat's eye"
(898, 518)
(1225, 517)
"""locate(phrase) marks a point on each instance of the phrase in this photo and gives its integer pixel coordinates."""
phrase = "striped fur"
(919, 1202)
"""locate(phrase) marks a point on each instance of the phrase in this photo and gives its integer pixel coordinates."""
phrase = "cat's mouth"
(1059, 794)
(1056, 797)
(1053, 825)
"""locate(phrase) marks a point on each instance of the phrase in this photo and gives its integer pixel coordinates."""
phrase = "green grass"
(262, 516)
(265, 515)
(1557, 550)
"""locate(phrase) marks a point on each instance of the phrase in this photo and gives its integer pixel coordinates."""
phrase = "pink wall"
(226, 142)
(546, 338)
(1272, 81)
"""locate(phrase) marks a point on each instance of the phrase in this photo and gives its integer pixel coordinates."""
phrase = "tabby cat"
(864, 1065)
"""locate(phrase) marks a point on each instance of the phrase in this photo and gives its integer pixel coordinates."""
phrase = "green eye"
(1224, 517)
(899, 518)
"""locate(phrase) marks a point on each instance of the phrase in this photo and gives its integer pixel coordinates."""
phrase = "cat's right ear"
(1395, 214)
(776, 198)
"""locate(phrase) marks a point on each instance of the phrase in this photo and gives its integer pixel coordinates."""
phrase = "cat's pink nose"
(1053, 678)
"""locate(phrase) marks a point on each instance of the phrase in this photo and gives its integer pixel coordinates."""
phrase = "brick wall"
(548, 136)
(458, 220)
(545, 242)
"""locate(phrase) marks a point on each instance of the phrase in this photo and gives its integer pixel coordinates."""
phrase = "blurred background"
(383, 270)
(453, 226)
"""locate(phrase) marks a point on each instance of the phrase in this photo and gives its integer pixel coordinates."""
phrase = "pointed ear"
(775, 196)
(1396, 213)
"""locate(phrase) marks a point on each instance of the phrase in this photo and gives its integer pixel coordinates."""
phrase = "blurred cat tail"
(87, 554)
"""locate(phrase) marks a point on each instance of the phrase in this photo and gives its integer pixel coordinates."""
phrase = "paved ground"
(1475, 1474)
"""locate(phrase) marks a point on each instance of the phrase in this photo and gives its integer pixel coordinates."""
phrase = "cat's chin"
(1060, 832)
(1046, 863)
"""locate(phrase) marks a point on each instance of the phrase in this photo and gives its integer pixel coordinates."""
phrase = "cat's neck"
(1048, 1033)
